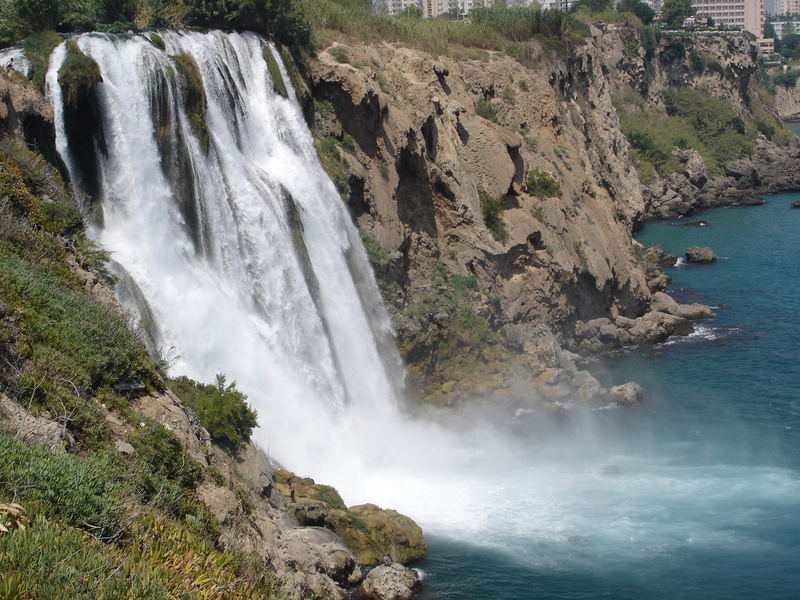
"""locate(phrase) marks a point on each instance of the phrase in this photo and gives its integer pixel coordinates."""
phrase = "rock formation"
(498, 199)
(700, 254)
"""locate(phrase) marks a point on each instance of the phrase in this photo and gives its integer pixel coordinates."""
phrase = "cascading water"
(244, 253)
(240, 256)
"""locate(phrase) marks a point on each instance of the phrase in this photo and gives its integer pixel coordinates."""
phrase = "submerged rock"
(390, 582)
(700, 254)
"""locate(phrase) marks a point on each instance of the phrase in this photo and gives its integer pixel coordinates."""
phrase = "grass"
(488, 28)
(77, 493)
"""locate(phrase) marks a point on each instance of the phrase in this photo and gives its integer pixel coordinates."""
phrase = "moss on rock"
(275, 72)
(79, 77)
(194, 97)
(38, 49)
(157, 41)
(373, 532)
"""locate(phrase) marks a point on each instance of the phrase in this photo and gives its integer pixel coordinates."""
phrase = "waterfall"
(238, 249)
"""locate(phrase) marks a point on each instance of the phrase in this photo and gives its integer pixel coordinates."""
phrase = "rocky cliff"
(498, 195)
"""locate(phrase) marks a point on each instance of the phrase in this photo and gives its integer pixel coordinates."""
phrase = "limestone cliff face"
(429, 139)
(787, 102)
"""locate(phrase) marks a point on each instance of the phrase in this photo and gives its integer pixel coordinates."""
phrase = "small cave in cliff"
(414, 194)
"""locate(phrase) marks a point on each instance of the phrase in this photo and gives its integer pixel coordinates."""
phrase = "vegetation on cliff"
(277, 19)
(222, 409)
(122, 504)
(695, 119)
(492, 28)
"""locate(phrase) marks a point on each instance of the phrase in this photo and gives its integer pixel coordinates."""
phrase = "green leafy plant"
(222, 409)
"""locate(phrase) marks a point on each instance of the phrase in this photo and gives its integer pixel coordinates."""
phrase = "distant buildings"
(459, 8)
(786, 27)
(747, 15)
(431, 8)
(786, 7)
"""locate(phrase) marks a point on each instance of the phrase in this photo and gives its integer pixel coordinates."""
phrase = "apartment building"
(747, 15)
(786, 27)
(785, 7)
(431, 8)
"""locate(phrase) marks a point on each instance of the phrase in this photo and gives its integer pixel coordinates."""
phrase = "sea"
(693, 495)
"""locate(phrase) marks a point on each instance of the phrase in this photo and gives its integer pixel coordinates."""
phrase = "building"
(766, 46)
(785, 7)
(431, 8)
(747, 15)
(786, 27)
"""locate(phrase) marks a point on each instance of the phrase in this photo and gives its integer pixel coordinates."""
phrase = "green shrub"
(79, 493)
(221, 408)
(78, 72)
(542, 184)
(484, 108)
(492, 209)
(38, 48)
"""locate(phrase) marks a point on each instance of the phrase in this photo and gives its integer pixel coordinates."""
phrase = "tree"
(644, 11)
(788, 29)
(673, 12)
(769, 30)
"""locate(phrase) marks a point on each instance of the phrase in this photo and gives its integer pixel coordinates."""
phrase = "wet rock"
(393, 582)
(373, 532)
(700, 254)
(796, 204)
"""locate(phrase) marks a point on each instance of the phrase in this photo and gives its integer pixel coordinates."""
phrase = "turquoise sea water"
(694, 495)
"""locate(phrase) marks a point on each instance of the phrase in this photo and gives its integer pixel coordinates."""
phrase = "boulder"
(33, 430)
(691, 312)
(667, 260)
(627, 394)
(796, 204)
(392, 582)
(373, 532)
(700, 254)
(167, 409)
